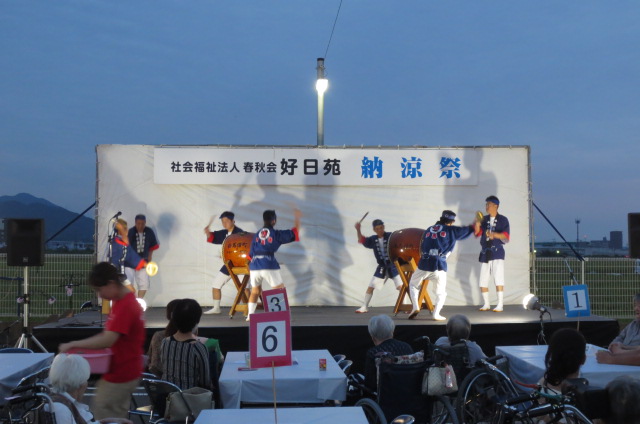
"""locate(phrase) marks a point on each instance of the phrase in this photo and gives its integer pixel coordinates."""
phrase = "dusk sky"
(561, 77)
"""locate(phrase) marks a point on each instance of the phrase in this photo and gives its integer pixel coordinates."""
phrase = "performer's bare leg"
(500, 293)
(253, 300)
(485, 298)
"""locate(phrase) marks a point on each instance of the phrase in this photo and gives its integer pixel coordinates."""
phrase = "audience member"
(185, 361)
(624, 400)
(124, 333)
(458, 329)
(629, 337)
(565, 355)
(155, 366)
(381, 331)
(68, 379)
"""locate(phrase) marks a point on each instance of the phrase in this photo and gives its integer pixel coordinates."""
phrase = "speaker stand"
(26, 335)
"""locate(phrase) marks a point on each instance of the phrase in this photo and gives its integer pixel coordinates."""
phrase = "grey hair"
(381, 327)
(458, 328)
(68, 373)
(624, 398)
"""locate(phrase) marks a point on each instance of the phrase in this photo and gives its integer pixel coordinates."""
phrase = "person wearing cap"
(496, 234)
(263, 266)
(437, 242)
(144, 241)
(227, 219)
(385, 269)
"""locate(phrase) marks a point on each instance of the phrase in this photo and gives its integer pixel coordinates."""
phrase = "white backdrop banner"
(328, 266)
(308, 167)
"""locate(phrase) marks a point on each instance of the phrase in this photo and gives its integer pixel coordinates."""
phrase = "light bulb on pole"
(321, 86)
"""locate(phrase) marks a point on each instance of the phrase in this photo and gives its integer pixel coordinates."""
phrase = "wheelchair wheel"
(479, 394)
(372, 411)
(442, 411)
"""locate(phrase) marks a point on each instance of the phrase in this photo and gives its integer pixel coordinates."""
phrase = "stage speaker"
(25, 241)
(634, 235)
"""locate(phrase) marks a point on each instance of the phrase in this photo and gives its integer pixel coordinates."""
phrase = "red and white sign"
(270, 339)
(275, 300)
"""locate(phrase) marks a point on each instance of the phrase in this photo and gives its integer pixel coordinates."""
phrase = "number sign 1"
(270, 339)
(275, 300)
(576, 301)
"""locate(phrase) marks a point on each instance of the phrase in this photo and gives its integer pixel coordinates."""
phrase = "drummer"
(227, 219)
(385, 269)
(437, 242)
(263, 266)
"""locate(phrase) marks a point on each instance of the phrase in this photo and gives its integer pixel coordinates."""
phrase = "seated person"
(624, 400)
(458, 329)
(155, 367)
(68, 379)
(565, 355)
(381, 331)
(629, 337)
(185, 361)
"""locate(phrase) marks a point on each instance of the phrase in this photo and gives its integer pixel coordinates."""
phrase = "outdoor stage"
(340, 330)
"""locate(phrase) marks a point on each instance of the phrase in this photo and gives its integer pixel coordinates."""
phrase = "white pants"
(140, 278)
(377, 282)
(492, 270)
(271, 276)
(220, 280)
(439, 278)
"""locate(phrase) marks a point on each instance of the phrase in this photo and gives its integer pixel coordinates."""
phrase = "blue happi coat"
(266, 243)
(437, 241)
(385, 267)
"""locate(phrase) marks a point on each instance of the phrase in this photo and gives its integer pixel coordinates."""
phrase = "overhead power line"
(333, 29)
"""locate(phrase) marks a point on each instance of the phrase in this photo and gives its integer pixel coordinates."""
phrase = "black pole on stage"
(70, 222)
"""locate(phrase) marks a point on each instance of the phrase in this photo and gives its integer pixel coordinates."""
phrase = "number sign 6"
(270, 339)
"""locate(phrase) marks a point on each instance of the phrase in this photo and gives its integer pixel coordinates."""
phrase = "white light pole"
(321, 86)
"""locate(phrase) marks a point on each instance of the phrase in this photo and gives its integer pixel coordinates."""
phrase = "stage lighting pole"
(321, 86)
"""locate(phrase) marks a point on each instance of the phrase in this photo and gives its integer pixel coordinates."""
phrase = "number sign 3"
(275, 300)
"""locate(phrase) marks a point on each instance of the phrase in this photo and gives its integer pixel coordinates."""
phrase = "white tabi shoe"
(439, 317)
(414, 314)
(212, 311)
(362, 310)
(498, 308)
(485, 308)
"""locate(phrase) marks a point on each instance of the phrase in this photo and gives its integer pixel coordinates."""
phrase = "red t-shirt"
(126, 319)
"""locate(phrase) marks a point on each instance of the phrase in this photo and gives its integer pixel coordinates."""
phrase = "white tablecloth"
(526, 364)
(15, 366)
(326, 415)
(300, 383)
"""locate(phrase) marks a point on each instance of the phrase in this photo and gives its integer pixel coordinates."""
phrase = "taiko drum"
(405, 244)
(236, 249)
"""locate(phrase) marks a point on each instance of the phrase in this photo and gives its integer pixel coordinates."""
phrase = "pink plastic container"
(99, 359)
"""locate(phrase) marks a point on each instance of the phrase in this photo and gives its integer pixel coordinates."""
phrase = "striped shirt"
(185, 364)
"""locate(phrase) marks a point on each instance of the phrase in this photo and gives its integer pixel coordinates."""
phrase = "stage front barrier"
(612, 284)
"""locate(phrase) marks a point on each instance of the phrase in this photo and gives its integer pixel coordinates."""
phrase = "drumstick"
(365, 215)
(211, 221)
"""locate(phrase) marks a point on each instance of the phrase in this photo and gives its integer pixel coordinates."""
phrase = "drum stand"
(241, 301)
(26, 335)
(406, 271)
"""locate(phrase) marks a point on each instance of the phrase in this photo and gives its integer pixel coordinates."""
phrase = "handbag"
(439, 381)
(197, 399)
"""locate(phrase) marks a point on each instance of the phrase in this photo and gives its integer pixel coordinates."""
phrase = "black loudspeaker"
(634, 235)
(25, 242)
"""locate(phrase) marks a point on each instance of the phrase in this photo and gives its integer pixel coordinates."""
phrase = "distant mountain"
(24, 205)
